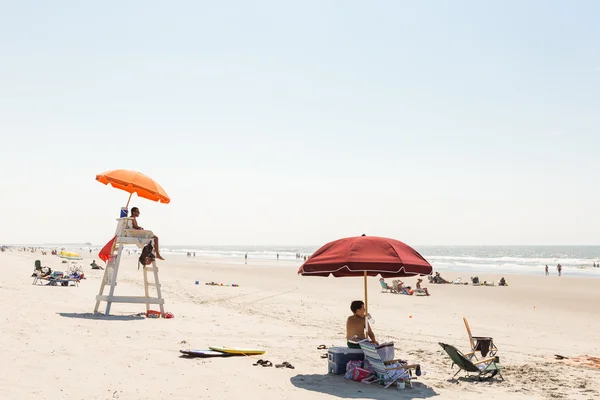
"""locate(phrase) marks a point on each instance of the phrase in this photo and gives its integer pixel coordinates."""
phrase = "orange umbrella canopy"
(134, 182)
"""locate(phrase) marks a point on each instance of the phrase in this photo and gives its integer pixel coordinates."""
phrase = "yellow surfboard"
(235, 350)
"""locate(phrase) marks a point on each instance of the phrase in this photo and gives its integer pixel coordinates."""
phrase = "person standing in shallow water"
(547, 273)
(246, 258)
(559, 268)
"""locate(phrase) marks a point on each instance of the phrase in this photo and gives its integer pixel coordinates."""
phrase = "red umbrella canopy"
(374, 255)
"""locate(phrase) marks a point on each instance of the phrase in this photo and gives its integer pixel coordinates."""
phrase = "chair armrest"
(484, 361)
(393, 361)
(411, 366)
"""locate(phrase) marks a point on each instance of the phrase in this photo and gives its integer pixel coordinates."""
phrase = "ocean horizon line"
(301, 245)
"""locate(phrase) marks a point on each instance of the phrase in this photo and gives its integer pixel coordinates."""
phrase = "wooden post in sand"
(125, 235)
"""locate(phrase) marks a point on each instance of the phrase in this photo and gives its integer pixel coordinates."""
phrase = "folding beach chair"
(385, 288)
(386, 373)
(482, 369)
(483, 344)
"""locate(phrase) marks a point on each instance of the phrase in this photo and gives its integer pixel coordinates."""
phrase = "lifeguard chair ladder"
(125, 235)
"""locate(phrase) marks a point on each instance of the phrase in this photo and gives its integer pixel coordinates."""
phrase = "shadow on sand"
(336, 385)
(133, 317)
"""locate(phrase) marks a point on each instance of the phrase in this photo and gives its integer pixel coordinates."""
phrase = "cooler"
(338, 357)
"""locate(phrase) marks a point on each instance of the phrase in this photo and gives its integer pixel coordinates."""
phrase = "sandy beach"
(55, 348)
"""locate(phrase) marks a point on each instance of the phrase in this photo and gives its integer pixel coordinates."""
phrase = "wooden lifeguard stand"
(126, 235)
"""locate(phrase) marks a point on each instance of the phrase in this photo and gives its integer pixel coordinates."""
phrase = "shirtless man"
(135, 212)
(355, 325)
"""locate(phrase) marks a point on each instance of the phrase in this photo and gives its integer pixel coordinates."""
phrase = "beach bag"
(386, 351)
(147, 257)
(359, 374)
(401, 373)
(351, 366)
(152, 314)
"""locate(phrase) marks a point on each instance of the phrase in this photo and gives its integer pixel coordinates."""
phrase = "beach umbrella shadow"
(98, 316)
(338, 386)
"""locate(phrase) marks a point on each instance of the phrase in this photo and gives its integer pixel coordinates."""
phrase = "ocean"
(575, 260)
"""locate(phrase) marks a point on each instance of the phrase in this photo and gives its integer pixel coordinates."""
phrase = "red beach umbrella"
(366, 256)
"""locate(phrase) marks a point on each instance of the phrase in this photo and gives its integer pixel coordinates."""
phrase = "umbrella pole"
(366, 307)
(128, 200)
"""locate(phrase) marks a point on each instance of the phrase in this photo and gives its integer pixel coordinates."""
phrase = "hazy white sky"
(274, 122)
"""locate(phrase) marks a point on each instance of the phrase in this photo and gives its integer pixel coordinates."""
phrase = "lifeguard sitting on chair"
(135, 212)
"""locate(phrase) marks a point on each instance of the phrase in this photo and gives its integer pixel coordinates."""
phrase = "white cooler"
(338, 357)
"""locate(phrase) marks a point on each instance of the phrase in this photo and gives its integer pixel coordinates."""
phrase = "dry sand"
(54, 348)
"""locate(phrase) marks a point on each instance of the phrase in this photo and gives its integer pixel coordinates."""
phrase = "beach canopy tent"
(70, 255)
(366, 256)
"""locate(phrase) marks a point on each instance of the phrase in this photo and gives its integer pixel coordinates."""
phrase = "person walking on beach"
(547, 273)
(135, 212)
(246, 258)
(277, 256)
(559, 268)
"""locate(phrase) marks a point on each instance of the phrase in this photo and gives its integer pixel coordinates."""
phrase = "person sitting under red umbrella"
(355, 325)
(135, 212)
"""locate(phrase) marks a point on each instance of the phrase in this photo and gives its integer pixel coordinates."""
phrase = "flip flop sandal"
(324, 356)
(322, 347)
(288, 365)
(259, 362)
(285, 364)
(267, 363)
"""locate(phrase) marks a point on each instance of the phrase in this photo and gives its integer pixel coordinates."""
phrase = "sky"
(297, 123)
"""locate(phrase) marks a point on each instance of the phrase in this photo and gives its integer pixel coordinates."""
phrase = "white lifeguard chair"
(126, 235)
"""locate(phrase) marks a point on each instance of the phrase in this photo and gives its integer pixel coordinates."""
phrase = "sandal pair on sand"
(323, 347)
(267, 363)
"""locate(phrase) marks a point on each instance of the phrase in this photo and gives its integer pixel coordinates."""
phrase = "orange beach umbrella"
(134, 182)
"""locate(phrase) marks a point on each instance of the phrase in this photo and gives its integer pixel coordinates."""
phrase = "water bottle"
(370, 319)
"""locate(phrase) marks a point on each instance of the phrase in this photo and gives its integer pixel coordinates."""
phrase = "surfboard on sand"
(204, 353)
(235, 350)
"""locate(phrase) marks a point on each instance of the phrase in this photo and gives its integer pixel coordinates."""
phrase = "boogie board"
(234, 350)
(204, 353)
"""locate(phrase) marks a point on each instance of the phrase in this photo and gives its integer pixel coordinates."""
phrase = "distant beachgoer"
(399, 286)
(547, 273)
(246, 258)
(502, 282)
(135, 212)
(438, 279)
(355, 325)
(421, 289)
(277, 256)
(559, 268)
(95, 266)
